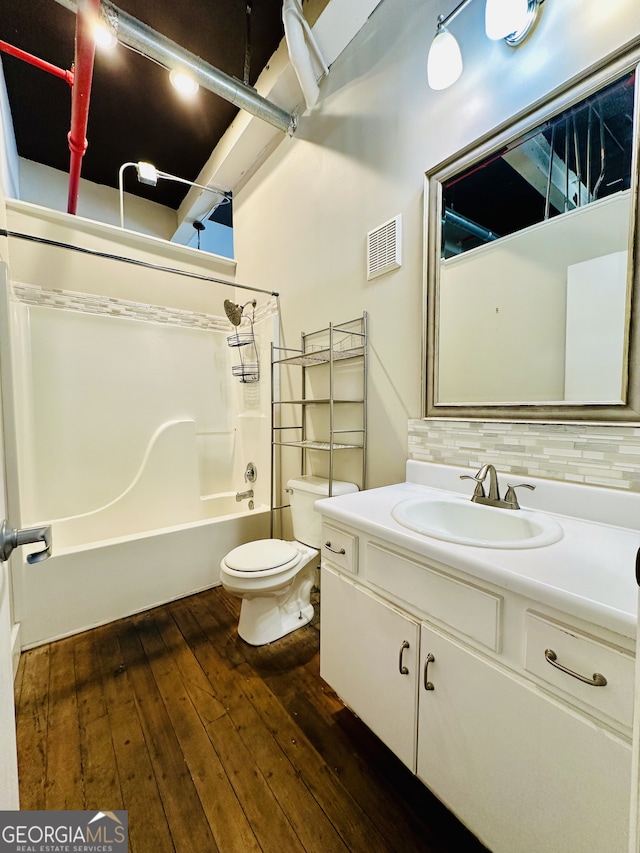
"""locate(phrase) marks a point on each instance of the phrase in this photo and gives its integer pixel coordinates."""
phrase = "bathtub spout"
(242, 496)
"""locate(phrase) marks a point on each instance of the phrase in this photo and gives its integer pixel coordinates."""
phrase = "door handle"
(403, 669)
(596, 680)
(428, 685)
(11, 538)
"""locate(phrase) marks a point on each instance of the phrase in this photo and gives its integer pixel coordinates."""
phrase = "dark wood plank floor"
(213, 745)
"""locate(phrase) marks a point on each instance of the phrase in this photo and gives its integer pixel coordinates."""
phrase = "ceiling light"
(104, 37)
(183, 83)
(105, 28)
(510, 19)
(147, 173)
(444, 63)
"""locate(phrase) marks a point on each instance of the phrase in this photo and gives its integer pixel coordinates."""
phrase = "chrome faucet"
(242, 496)
(493, 498)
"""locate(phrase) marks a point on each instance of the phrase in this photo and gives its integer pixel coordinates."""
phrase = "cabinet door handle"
(327, 545)
(596, 679)
(428, 685)
(403, 669)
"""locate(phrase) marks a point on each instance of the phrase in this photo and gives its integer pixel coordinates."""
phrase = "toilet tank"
(304, 492)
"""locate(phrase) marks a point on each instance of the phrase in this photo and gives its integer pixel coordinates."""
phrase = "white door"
(8, 755)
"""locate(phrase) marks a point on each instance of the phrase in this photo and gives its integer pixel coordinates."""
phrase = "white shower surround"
(132, 439)
(93, 388)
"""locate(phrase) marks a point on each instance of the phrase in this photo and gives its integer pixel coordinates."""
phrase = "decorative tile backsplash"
(598, 454)
(87, 303)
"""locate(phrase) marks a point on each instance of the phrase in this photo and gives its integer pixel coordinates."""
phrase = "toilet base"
(266, 619)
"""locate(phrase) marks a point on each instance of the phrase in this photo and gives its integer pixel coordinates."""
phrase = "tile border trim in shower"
(107, 306)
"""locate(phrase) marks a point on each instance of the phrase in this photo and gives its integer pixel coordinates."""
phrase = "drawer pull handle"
(428, 685)
(596, 680)
(403, 669)
(327, 545)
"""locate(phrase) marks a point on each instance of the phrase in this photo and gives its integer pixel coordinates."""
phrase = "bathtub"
(157, 541)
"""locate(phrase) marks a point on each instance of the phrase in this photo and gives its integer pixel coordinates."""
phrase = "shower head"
(234, 312)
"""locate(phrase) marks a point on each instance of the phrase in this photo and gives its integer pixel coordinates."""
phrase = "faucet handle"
(478, 492)
(510, 497)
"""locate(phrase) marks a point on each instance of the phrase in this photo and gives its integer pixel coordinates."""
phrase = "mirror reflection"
(530, 281)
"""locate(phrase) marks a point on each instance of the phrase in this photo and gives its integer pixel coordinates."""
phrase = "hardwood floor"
(213, 745)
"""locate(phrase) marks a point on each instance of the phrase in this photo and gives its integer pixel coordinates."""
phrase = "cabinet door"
(522, 771)
(369, 655)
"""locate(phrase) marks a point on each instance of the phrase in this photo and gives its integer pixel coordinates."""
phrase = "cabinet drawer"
(340, 548)
(466, 608)
(586, 657)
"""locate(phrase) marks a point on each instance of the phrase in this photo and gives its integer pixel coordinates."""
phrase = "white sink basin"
(467, 523)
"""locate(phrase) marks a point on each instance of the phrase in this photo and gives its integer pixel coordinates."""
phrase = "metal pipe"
(138, 36)
(547, 199)
(145, 264)
(121, 188)
(443, 20)
(5, 47)
(85, 50)
(578, 170)
(454, 218)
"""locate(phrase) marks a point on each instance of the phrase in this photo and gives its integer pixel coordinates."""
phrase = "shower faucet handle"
(11, 538)
(251, 473)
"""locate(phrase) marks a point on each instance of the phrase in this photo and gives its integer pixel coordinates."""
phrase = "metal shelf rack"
(331, 346)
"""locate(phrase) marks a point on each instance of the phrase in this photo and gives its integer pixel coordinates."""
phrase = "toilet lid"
(260, 555)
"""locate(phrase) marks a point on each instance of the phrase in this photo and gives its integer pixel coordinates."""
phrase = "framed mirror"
(532, 263)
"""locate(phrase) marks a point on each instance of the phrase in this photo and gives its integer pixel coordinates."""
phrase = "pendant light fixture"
(444, 63)
(510, 20)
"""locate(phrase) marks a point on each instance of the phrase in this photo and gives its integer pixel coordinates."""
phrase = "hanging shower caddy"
(245, 341)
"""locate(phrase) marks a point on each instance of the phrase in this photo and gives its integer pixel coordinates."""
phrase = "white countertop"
(588, 573)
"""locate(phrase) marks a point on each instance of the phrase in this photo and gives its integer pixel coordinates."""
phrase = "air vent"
(384, 248)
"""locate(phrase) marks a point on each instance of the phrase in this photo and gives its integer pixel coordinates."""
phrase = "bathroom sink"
(467, 523)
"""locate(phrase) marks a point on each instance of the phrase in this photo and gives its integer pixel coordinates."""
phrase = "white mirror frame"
(571, 93)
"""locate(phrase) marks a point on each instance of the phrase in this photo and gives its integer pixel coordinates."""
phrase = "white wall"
(49, 188)
(67, 270)
(360, 157)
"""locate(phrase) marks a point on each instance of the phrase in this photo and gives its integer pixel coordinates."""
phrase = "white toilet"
(274, 578)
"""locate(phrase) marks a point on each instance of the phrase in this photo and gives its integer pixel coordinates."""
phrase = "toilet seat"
(269, 556)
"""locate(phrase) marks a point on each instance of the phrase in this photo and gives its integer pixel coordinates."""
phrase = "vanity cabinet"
(522, 771)
(451, 675)
(370, 658)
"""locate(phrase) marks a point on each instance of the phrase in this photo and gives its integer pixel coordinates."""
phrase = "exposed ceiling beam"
(142, 38)
(247, 143)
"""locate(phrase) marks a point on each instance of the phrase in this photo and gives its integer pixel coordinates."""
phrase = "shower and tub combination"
(133, 440)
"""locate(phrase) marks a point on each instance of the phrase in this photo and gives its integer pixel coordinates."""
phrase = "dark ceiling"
(134, 112)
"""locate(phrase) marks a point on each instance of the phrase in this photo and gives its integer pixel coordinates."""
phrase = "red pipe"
(84, 56)
(39, 63)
